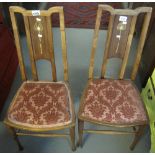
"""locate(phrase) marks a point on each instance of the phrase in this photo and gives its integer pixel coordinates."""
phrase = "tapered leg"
(80, 131)
(72, 137)
(13, 132)
(138, 135)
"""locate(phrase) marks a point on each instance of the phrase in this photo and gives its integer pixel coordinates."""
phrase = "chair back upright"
(119, 37)
(38, 28)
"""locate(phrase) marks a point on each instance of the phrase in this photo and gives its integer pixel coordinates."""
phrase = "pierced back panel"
(119, 37)
(40, 39)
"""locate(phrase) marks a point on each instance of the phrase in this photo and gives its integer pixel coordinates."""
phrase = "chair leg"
(72, 137)
(13, 132)
(138, 135)
(80, 131)
(134, 128)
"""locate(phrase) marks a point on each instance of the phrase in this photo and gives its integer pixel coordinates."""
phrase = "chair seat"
(41, 105)
(113, 102)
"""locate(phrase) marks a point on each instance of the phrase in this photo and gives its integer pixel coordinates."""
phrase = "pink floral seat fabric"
(113, 102)
(41, 105)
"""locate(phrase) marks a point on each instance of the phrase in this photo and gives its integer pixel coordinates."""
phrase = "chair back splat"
(38, 27)
(119, 37)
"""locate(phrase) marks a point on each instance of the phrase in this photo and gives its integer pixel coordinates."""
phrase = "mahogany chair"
(41, 107)
(115, 102)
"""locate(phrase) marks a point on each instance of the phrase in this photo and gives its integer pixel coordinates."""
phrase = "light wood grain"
(41, 48)
(95, 39)
(51, 47)
(63, 44)
(128, 46)
(107, 132)
(31, 52)
(123, 53)
(141, 45)
(107, 46)
(18, 45)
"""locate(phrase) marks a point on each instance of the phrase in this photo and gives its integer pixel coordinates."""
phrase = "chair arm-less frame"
(106, 101)
(38, 27)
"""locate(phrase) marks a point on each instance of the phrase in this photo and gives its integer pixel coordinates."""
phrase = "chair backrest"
(38, 27)
(119, 37)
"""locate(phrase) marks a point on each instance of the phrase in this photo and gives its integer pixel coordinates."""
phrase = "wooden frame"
(138, 128)
(18, 130)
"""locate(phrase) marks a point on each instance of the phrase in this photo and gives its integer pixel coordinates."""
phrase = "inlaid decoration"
(39, 28)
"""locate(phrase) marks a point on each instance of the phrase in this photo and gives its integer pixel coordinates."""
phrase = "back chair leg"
(138, 135)
(72, 137)
(13, 132)
(80, 131)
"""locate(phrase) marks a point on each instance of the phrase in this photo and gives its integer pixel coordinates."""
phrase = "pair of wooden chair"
(41, 106)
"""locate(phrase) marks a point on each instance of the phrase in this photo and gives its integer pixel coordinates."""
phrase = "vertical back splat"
(119, 37)
(38, 27)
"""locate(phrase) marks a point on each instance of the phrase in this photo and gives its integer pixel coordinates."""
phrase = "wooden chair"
(41, 107)
(115, 102)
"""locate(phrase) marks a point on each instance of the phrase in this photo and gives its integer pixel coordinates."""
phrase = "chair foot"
(138, 135)
(79, 144)
(21, 148)
(72, 137)
(74, 149)
(13, 132)
(134, 128)
(80, 131)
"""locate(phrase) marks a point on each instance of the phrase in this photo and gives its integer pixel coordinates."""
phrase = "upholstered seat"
(113, 101)
(41, 105)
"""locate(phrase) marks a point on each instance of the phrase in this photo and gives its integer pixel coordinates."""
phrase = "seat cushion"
(113, 102)
(41, 105)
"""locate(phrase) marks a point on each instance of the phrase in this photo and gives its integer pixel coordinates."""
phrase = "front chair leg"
(138, 135)
(80, 131)
(72, 137)
(13, 132)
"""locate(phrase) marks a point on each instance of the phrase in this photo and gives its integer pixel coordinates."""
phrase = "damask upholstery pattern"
(41, 105)
(113, 101)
